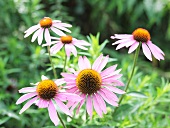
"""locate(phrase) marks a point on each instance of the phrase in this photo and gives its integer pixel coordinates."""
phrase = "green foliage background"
(146, 104)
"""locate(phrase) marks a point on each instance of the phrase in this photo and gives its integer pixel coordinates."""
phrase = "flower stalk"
(133, 69)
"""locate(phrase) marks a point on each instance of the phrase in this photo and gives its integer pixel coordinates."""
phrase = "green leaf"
(137, 94)
(3, 120)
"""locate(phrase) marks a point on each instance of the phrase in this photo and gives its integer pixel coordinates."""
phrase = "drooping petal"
(26, 97)
(28, 104)
(54, 49)
(112, 74)
(52, 113)
(109, 94)
(133, 47)
(73, 49)
(57, 31)
(89, 106)
(65, 25)
(77, 44)
(97, 106)
(155, 52)
(42, 103)
(81, 103)
(61, 28)
(69, 76)
(157, 48)
(34, 37)
(62, 106)
(27, 89)
(146, 51)
(31, 30)
(68, 50)
(116, 90)
(40, 37)
(108, 99)
(111, 78)
(101, 103)
(47, 36)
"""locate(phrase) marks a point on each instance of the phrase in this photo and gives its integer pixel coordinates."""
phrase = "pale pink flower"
(94, 85)
(42, 28)
(132, 41)
(69, 43)
(44, 93)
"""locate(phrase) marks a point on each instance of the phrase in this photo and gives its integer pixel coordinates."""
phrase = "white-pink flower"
(94, 85)
(42, 28)
(44, 93)
(133, 40)
(69, 43)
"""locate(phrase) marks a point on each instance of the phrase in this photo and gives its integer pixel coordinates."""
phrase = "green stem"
(61, 120)
(65, 61)
(52, 65)
(133, 69)
(55, 75)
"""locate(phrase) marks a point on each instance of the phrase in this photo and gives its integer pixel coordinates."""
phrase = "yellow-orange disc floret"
(46, 22)
(88, 81)
(66, 39)
(47, 89)
(141, 35)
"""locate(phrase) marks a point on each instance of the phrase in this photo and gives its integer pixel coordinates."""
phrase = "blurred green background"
(22, 62)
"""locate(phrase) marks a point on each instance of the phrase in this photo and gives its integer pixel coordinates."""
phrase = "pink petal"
(69, 76)
(28, 104)
(61, 28)
(103, 64)
(97, 62)
(68, 50)
(81, 63)
(111, 78)
(112, 74)
(26, 97)
(31, 30)
(42, 103)
(116, 90)
(70, 96)
(87, 63)
(72, 90)
(146, 51)
(81, 103)
(52, 113)
(97, 106)
(121, 36)
(34, 37)
(27, 89)
(89, 106)
(73, 106)
(59, 81)
(109, 94)
(40, 37)
(65, 25)
(108, 70)
(101, 102)
(108, 99)
(157, 48)
(133, 47)
(73, 49)
(62, 107)
(47, 36)
(155, 52)
(79, 45)
(54, 49)
(57, 31)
